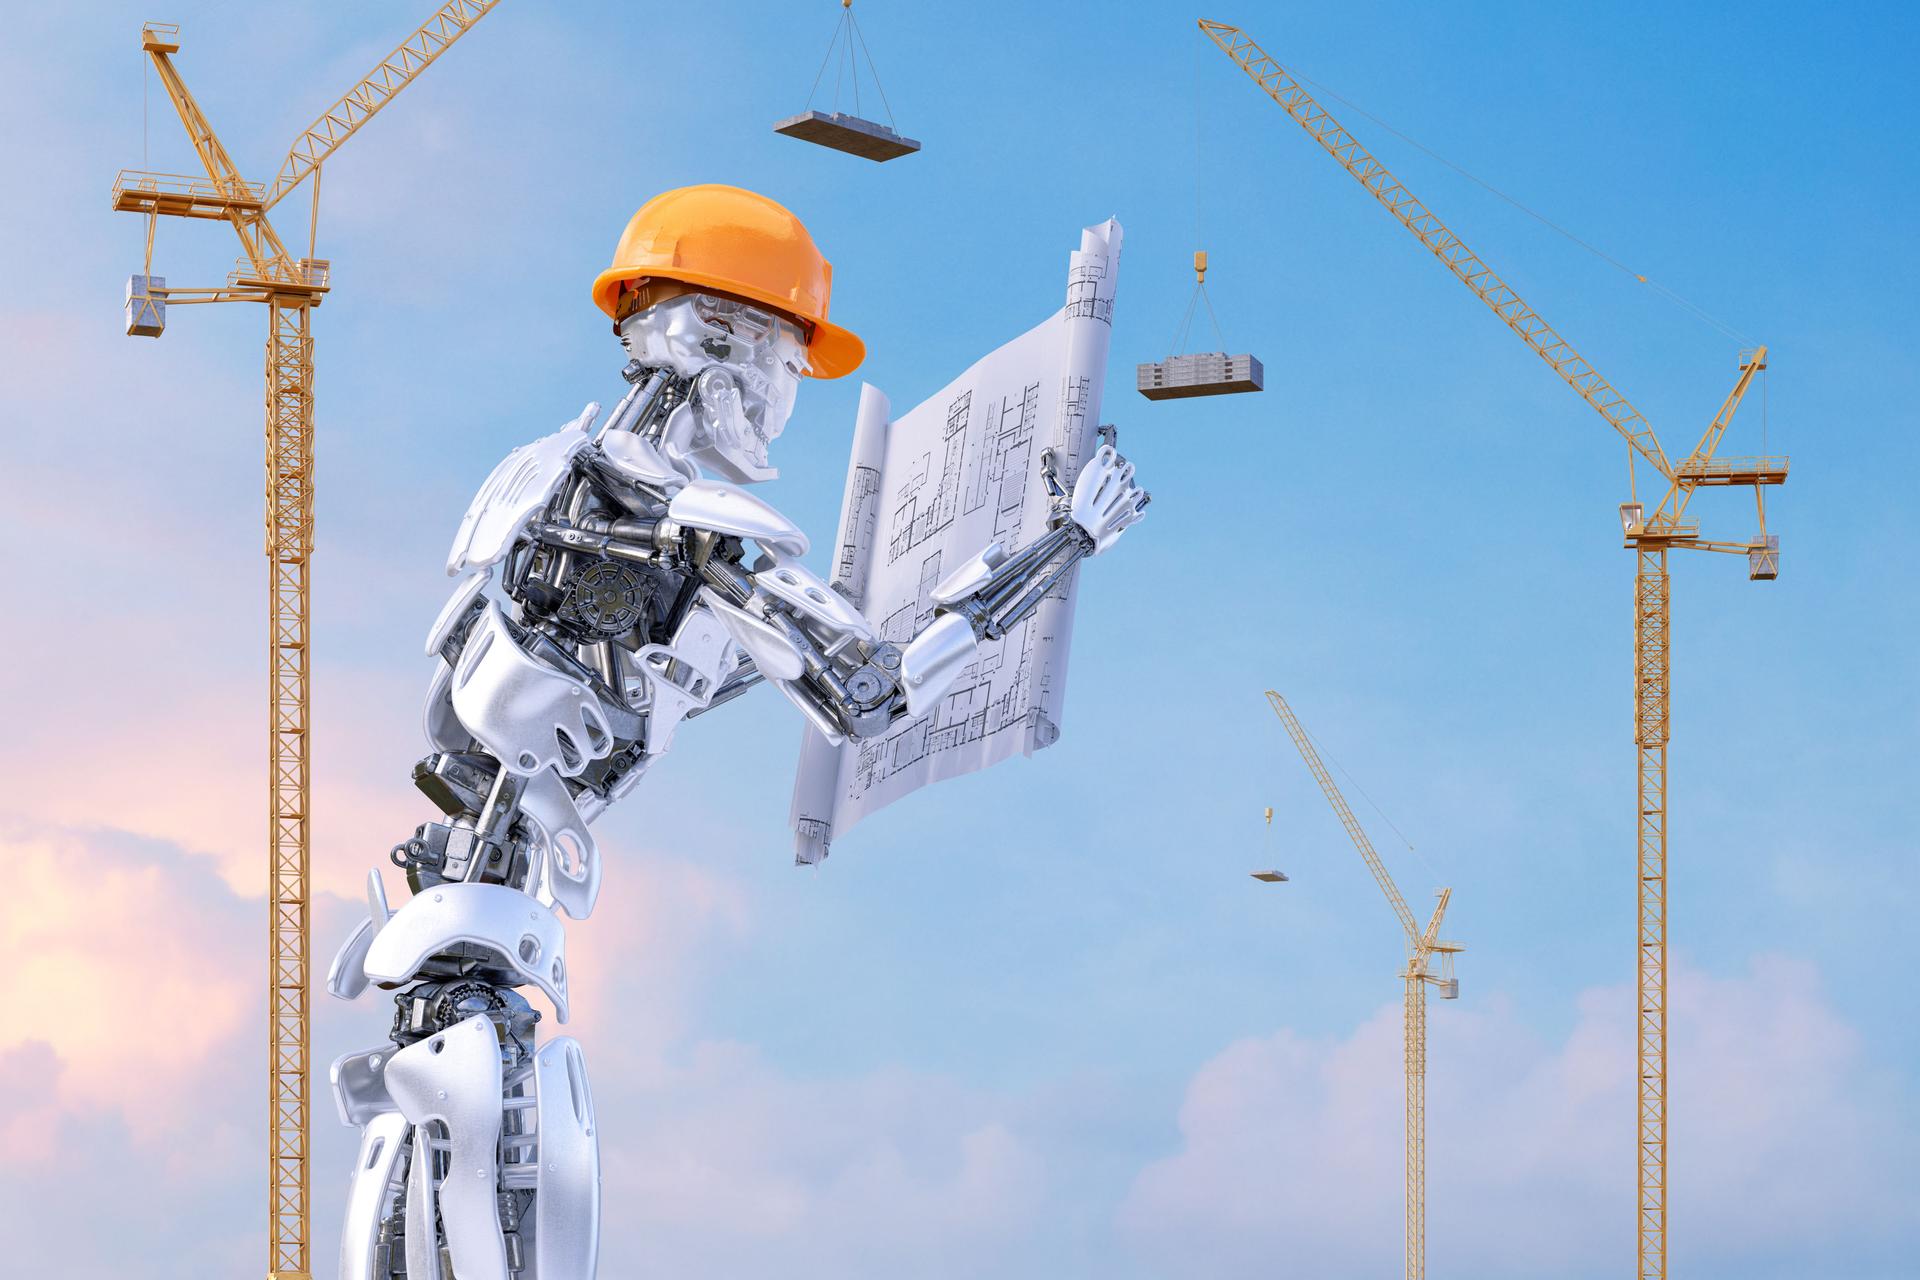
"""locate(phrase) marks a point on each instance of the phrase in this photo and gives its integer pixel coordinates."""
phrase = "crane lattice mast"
(290, 288)
(1422, 946)
(1648, 536)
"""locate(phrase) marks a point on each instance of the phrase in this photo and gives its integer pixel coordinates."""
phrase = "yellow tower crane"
(290, 288)
(1422, 946)
(1649, 537)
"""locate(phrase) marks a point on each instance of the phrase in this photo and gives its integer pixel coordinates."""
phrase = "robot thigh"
(432, 1133)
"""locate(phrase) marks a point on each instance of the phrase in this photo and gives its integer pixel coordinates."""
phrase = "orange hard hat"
(735, 242)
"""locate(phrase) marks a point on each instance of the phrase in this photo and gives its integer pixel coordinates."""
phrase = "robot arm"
(804, 637)
(993, 592)
(609, 594)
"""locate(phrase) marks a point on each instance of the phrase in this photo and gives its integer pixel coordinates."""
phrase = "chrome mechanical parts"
(609, 592)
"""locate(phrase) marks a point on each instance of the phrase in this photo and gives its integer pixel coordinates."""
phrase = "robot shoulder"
(521, 485)
(728, 509)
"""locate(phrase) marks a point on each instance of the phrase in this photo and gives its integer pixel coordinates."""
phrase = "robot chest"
(605, 599)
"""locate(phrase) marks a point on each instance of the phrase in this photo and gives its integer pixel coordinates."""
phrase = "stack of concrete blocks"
(1208, 373)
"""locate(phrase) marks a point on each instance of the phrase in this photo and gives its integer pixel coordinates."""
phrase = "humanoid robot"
(615, 580)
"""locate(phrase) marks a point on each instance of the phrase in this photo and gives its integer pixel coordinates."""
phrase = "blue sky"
(1037, 1021)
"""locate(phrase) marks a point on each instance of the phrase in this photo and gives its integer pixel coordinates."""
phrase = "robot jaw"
(746, 363)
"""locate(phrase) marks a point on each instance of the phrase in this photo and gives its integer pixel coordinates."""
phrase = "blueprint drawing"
(927, 490)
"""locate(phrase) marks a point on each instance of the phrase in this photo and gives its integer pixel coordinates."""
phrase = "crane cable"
(1186, 321)
(1385, 817)
(849, 67)
(1199, 293)
(153, 215)
(1698, 312)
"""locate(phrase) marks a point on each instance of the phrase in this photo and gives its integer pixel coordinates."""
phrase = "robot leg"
(566, 1202)
(466, 1169)
(449, 1087)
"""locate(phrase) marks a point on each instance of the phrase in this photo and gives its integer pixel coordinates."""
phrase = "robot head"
(727, 287)
(738, 244)
(746, 362)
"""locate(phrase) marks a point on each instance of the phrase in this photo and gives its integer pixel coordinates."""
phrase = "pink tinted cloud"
(129, 966)
(196, 745)
(136, 1069)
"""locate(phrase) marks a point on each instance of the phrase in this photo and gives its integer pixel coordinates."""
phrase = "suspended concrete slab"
(847, 133)
(1208, 373)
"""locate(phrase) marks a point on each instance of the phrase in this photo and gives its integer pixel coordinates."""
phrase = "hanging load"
(146, 306)
(1209, 373)
(868, 139)
(1205, 373)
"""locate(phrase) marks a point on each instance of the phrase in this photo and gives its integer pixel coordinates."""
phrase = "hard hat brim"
(832, 352)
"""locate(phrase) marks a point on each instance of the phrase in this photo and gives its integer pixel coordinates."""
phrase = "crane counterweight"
(146, 306)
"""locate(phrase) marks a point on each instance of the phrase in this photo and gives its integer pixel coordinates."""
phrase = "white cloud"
(1785, 1142)
(731, 1167)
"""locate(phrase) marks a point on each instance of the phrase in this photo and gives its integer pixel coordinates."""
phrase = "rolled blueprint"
(927, 490)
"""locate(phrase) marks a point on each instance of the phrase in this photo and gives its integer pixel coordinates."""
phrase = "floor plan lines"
(993, 695)
(913, 617)
(863, 511)
(1086, 299)
(1001, 478)
(927, 491)
(926, 502)
(1070, 425)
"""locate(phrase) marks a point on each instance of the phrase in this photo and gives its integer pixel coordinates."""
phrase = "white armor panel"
(423, 1253)
(773, 653)
(567, 870)
(347, 975)
(360, 1085)
(456, 608)
(775, 656)
(681, 677)
(442, 726)
(524, 937)
(970, 577)
(827, 614)
(517, 489)
(453, 1080)
(935, 660)
(637, 459)
(371, 1193)
(529, 715)
(567, 1204)
(729, 509)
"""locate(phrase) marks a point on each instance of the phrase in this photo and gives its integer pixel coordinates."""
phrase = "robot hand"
(1105, 499)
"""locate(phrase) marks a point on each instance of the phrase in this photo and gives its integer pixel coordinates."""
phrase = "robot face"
(747, 363)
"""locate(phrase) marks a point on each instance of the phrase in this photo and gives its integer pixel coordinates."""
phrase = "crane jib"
(1574, 369)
